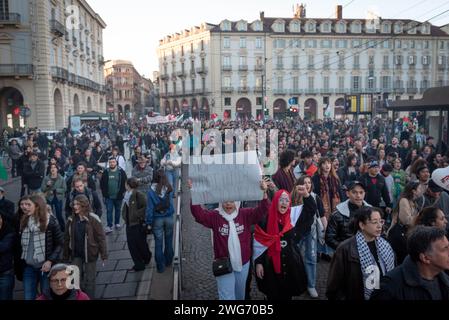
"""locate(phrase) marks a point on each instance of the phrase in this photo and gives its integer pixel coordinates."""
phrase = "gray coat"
(144, 176)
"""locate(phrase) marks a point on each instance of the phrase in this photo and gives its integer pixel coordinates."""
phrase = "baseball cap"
(351, 185)
(432, 186)
(373, 164)
(1, 189)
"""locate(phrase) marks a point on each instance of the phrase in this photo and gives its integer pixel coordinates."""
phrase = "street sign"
(25, 112)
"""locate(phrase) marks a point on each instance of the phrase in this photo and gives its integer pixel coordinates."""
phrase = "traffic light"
(16, 111)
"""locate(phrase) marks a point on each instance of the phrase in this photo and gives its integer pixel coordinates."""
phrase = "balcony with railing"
(164, 76)
(243, 89)
(280, 92)
(279, 66)
(226, 68)
(201, 70)
(326, 66)
(311, 91)
(258, 89)
(81, 46)
(16, 70)
(342, 91)
(258, 67)
(356, 90)
(326, 91)
(227, 89)
(243, 67)
(296, 91)
(341, 66)
(400, 90)
(310, 67)
(385, 66)
(181, 73)
(57, 28)
(422, 89)
(356, 66)
(58, 73)
(412, 90)
(9, 18)
(295, 66)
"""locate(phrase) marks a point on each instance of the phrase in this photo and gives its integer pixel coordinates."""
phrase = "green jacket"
(135, 209)
(60, 187)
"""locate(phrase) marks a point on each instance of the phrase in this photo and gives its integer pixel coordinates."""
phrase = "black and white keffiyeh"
(33, 229)
(370, 270)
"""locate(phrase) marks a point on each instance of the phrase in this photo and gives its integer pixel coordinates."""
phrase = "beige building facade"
(51, 62)
(240, 68)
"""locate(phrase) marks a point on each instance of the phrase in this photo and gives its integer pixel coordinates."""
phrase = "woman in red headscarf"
(280, 272)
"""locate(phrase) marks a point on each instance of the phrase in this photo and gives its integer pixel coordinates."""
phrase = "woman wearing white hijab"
(231, 228)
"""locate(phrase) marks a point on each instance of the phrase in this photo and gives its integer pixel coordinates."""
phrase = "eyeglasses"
(381, 222)
(58, 281)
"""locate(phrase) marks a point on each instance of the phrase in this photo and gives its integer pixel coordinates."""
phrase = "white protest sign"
(228, 177)
(441, 177)
(75, 123)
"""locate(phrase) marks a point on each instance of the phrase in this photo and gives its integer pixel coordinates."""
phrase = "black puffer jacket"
(405, 283)
(54, 241)
(338, 228)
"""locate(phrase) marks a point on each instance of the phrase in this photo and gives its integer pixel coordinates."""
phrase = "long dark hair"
(161, 180)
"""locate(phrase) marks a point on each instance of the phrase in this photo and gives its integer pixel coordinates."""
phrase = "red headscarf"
(272, 237)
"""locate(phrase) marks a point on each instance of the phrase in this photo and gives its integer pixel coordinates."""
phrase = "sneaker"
(312, 292)
(108, 230)
(118, 226)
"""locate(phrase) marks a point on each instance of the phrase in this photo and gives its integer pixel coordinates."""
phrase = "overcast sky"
(134, 27)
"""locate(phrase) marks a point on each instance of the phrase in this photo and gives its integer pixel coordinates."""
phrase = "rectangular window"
(227, 101)
(356, 82)
(311, 61)
(242, 43)
(356, 60)
(311, 83)
(412, 44)
(342, 44)
(386, 44)
(259, 101)
(227, 61)
(386, 82)
(326, 83)
(295, 43)
(295, 60)
(326, 43)
(226, 42)
(341, 82)
(227, 81)
(280, 60)
(193, 85)
(356, 43)
(280, 83)
(326, 61)
(258, 43)
(386, 60)
(242, 60)
(397, 44)
(295, 83)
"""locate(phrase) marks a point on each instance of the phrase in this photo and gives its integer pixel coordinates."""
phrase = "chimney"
(262, 15)
(339, 12)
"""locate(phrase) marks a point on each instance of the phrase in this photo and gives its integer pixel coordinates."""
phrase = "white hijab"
(235, 253)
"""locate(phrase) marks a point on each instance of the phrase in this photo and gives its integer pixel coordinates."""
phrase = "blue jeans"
(31, 276)
(325, 249)
(112, 204)
(163, 241)
(6, 285)
(56, 206)
(308, 249)
(232, 286)
(172, 176)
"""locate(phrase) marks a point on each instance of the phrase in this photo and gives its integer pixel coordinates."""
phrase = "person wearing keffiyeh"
(360, 261)
(279, 266)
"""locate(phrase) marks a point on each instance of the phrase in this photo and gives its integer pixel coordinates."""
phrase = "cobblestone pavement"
(114, 280)
(198, 283)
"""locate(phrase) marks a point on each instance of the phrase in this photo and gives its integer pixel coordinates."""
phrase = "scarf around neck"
(234, 249)
(272, 237)
(370, 270)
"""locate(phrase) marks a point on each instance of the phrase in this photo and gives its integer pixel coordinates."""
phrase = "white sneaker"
(108, 230)
(118, 226)
(313, 293)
